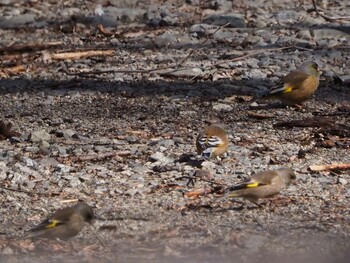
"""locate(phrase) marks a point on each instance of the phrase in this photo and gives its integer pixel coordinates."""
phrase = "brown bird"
(262, 185)
(212, 141)
(298, 86)
(64, 223)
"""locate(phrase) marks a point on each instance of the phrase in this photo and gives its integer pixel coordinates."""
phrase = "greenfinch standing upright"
(64, 223)
(212, 141)
(298, 86)
(262, 185)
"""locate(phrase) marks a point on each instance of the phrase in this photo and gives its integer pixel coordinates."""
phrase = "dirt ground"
(123, 140)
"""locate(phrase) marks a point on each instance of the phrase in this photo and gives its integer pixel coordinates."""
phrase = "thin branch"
(81, 54)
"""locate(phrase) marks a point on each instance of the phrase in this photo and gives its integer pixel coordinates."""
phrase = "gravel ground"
(118, 129)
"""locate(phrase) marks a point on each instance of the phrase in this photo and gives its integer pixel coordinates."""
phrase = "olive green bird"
(212, 141)
(262, 185)
(297, 86)
(64, 223)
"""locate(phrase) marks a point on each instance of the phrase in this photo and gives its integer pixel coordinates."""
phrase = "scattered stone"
(222, 107)
(160, 157)
(39, 136)
(234, 20)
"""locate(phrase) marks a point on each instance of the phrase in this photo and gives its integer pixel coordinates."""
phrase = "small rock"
(140, 169)
(132, 139)
(304, 34)
(165, 40)
(329, 34)
(63, 168)
(186, 73)
(233, 19)
(208, 165)
(222, 107)
(80, 137)
(30, 162)
(44, 145)
(287, 16)
(166, 143)
(200, 29)
(48, 161)
(39, 136)
(256, 74)
(342, 181)
(32, 149)
(160, 157)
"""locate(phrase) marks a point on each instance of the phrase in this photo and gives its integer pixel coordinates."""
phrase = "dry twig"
(329, 167)
(81, 54)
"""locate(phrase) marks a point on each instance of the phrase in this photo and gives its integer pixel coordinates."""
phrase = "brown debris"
(7, 72)
(6, 131)
(198, 192)
(259, 116)
(103, 31)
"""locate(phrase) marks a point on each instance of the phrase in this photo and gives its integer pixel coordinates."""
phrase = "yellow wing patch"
(251, 185)
(287, 89)
(52, 224)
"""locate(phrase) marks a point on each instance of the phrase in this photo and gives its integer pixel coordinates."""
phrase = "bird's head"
(311, 68)
(85, 211)
(287, 175)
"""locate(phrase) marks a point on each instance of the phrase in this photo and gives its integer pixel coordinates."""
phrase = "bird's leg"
(298, 106)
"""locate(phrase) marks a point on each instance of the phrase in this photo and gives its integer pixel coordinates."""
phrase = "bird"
(212, 141)
(64, 223)
(264, 184)
(297, 86)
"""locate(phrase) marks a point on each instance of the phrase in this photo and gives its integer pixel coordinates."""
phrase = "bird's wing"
(48, 223)
(210, 141)
(60, 217)
(245, 185)
(288, 84)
